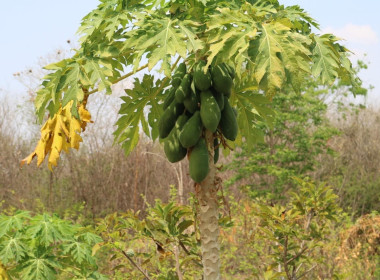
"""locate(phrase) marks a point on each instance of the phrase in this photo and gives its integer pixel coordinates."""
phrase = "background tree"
(268, 45)
(299, 138)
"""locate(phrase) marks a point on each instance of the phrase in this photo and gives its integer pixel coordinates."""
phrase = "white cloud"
(362, 34)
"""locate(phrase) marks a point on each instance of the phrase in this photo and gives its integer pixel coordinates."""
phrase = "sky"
(32, 29)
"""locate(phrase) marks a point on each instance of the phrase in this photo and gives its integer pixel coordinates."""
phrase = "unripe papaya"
(216, 150)
(228, 124)
(169, 97)
(221, 79)
(219, 99)
(198, 161)
(178, 75)
(173, 149)
(168, 118)
(184, 89)
(202, 80)
(191, 131)
(191, 102)
(210, 112)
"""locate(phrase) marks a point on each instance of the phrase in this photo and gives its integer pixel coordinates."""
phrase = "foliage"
(298, 229)
(270, 46)
(298, 136)
(162, 245)
(306, 238)
(46, 247)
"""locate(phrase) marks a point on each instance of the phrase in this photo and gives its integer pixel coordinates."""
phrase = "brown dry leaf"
(59, 133)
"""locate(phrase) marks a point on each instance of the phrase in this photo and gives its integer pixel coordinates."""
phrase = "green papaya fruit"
(202, 80)
(173, 149)
(219, 99)
(228, 124)
(216, 150)
(178, 75)
(168, 118)
(191, 102)
(196, 91)
(198, 161)
(169, 97)
(210, 112)
(230, 70)
(221, 79)
(191, 131)
(184, 89)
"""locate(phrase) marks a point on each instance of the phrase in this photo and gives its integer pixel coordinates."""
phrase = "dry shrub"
(359, 252)
(354, 169)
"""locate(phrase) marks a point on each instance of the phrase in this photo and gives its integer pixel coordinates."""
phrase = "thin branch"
(177, 264)
(284, 258)
(188, 253)
(296, 256)
(136, 265)
(307, 271)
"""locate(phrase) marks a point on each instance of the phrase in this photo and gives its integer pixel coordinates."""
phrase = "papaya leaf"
(9, 224)
(39, 267)
(140, 101)
(79, 251)
(326, 59)
(12, 248)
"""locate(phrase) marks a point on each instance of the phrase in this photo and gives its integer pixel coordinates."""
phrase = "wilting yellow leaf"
(61, 132)
(3, 273)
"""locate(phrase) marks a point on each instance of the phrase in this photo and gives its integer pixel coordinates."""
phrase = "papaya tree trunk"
(208, 218)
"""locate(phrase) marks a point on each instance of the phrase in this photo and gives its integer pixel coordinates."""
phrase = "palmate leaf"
(48, 230)
(12, 248)
(160, 39)
(99, 70)
(326, 58)
(79, 251)
(142, 96)
(10, 224)
(109, 17)
(230, 32)
(39, 267)
(252, 109)
(269, 69)
(90, 238)
(61, 132)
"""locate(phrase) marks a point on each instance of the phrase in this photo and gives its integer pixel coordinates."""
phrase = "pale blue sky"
(31, 29)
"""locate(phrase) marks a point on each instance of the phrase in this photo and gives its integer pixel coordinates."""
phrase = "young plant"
(46, 247)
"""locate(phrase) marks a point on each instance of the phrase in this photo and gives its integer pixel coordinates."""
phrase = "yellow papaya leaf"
(61, 132)
(3, 273)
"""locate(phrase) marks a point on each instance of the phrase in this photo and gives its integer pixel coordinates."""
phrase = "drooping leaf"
(326, 59)
(59, 133)
(140, 101)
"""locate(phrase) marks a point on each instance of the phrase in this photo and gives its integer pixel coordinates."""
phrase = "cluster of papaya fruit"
(197, 100)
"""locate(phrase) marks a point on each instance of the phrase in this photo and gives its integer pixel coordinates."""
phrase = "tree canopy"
(268, 44)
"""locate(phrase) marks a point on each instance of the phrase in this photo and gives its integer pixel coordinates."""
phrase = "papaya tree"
(198, 61)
